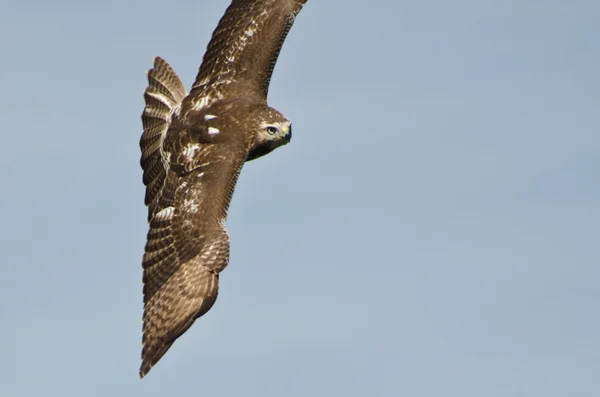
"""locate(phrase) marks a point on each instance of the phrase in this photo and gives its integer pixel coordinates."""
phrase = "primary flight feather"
(193, 149)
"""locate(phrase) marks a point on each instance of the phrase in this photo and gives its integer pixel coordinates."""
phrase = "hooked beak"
(288, 133)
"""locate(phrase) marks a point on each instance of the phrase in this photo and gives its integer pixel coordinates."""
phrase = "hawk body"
(193, 149)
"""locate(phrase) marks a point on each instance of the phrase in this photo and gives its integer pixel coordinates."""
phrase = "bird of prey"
(193, 148)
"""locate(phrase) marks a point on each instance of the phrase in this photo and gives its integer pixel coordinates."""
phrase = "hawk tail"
(162, 95)
(164, 92)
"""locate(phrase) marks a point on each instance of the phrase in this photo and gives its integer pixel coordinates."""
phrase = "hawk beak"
(288, 133)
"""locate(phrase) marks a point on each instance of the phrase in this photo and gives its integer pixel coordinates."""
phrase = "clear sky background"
(432, 229)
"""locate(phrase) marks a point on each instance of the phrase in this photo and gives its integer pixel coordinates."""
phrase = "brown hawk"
(193, 148)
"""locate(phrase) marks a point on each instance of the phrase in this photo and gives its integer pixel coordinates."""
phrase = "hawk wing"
(189, 176)
(187, 244)
(244, 47)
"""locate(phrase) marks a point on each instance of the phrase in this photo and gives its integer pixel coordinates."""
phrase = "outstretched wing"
(163, 94)
(190, 170)
(244, 47)
(187, 244)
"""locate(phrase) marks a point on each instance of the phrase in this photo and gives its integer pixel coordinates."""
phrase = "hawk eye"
(272, 130)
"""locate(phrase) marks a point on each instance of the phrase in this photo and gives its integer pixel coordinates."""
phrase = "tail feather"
(164, 79)
(162, 95)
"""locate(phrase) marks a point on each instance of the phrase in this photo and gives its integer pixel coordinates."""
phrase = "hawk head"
(238, 123)
(271, 130)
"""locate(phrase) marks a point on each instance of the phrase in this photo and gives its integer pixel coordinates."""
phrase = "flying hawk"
(193, 148)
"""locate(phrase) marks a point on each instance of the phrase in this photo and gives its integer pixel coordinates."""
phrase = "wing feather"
(187, 295)
(187, 246)
(244, 47)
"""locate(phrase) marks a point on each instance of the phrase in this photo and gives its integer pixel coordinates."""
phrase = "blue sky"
(432, 230)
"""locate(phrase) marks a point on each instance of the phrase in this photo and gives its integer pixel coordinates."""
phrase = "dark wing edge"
(187, 246)
(244, 47)
(186, 296)
(162, 95)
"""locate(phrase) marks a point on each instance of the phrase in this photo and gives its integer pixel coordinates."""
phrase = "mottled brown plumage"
(193, 149)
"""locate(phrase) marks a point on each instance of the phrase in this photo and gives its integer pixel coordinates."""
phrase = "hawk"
(193, 148)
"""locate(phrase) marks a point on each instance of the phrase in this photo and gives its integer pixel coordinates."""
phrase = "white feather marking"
(203, 102)
(165, 214)
(213, 130)
(209, 117)
(191, 205)
(190, 150)
(203, 82)
(251, 29)
(210, 251)
(161, 98)
(176, 110)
